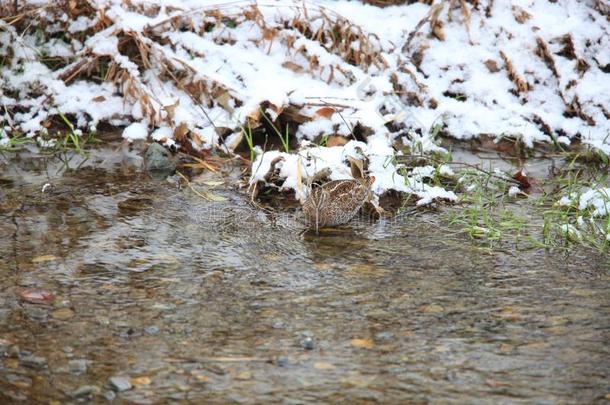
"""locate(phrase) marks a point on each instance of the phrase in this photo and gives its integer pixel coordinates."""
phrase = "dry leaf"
(98, 99)
(62, 314)
(362, 343)
(137, 381)
(492, 66)
(325, 112)
(432, 309)
(323, 366)
(44, 258)
(521, 177)
(296, 68)
(36, 295)
(520, 14)
(171, 109)
(335, 140)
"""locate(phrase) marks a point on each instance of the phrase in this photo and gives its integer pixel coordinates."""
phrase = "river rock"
(86, 391)
(158, 159)
(308, 343)
(32, 361)
(120, 384)
(78, 366)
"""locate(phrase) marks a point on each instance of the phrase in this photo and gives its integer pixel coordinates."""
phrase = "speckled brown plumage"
(336, 202)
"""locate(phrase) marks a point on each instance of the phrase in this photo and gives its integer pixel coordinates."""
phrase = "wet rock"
(37, 314)
(5, 345)
(308, 343)
(86, 391)
(384, 337)
(282, 361)
(32, 361)
(13, 351)
(120, 384)
(152, 330)
(158, 159)
(78, 366)
(109, 395)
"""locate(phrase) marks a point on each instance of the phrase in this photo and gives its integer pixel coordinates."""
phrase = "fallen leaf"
(334, 140)
(323, 366)
(506, 348)
(44, 258)
(363, 343)
(495, 383)
(200, 377)
(432, 309)
(325, 112)
(11, 363)
(62, 313)
(523, 179)
(244, 375)
(492, 65)
(213, 183)
(137, 381)
(214, 197)
(36, 295)
(98, 99)
(292, 66)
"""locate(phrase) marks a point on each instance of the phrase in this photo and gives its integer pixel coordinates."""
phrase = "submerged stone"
(120, 384)
(86, 391)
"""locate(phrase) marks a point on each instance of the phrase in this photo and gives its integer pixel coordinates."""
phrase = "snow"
(135, 131)
(594, 201)
(393, 74)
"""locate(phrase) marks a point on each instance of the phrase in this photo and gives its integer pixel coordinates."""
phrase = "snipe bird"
(337, 202)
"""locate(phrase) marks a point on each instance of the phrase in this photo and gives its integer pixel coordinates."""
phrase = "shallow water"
(218, 302)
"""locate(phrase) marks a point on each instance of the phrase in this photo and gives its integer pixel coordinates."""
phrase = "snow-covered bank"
(186, 71)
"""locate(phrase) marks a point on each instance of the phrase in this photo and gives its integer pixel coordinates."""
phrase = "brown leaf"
(335, 140)
(181, 131)
(44, 258)
(62, 314)
(98, 99)
(296, 68)
(36, 295)
(323, 366)
(438, 31)
(362, 343)
(520, 14)
(492, 65)
(325, 112)
(495, 383)
(523, 179)
(432, 308)
(269, 33)
(171, 109)
(137, 381)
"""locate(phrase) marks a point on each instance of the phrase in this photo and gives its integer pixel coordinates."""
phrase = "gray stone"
(109, 395)
(152, 330)
(32, 361)
(78, 366)
(120, 384)
(282, 361)
(86, 391)
(384, 337)
(308, 343)
(158, 159)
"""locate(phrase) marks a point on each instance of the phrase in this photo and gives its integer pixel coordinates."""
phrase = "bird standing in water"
(338, 201)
